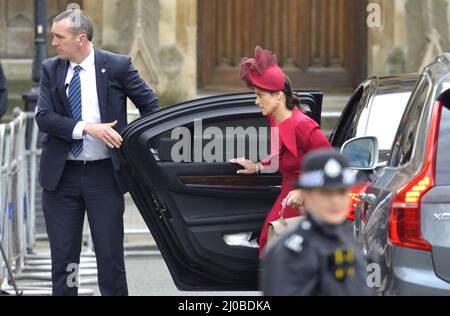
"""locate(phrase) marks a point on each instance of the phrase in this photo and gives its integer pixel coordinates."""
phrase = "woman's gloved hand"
(294, 199)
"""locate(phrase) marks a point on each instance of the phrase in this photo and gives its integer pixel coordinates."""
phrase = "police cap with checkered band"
(328, 169)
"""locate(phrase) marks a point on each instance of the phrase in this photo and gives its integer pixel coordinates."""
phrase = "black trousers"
(90, 189)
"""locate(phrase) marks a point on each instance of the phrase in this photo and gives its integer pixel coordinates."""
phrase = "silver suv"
(403, 221)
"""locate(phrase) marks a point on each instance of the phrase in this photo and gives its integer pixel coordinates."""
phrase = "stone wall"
(160, 36)
(413, 33)
(178, 50)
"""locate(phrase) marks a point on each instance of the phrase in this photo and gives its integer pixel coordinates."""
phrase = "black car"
(195, 206)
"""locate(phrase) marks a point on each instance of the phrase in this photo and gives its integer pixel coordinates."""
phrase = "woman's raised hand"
(249, 166)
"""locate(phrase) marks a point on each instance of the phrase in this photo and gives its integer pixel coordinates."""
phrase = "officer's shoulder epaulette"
(295, 242)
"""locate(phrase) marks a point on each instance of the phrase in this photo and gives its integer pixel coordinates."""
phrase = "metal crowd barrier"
(18, 207)
(13, 200)
(22, 225)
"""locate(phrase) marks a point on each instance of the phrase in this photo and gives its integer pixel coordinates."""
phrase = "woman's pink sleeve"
(317, 140)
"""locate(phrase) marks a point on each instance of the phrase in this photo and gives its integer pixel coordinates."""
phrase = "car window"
(359, 119)
(349, 119)
(387, 108)
(385, 115)
(442, 164)
(405, 140)
(214, 141)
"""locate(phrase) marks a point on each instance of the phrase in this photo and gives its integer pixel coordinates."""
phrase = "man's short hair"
(80, 22)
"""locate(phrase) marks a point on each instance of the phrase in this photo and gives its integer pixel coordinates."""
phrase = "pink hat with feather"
(263, 72)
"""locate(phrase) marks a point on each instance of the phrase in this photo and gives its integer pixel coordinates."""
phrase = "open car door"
(196, 209)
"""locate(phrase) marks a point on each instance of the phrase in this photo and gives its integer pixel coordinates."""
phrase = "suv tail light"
(355, 200)
(404, 227)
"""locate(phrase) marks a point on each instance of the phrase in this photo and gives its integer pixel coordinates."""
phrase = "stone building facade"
(413, 32)
(167, 41)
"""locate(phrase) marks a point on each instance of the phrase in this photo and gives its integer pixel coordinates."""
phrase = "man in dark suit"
(82, 110)
(3, 94)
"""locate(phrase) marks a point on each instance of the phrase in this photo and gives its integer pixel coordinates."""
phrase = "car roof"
(392, 84)
(398, 83)
(439, 70)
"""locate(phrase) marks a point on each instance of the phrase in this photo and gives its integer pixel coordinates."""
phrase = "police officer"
(319, 257)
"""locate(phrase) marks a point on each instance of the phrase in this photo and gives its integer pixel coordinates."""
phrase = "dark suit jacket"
(117, 79)
(3, 94)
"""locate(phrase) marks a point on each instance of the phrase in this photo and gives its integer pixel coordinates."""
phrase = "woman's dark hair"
(292, 99)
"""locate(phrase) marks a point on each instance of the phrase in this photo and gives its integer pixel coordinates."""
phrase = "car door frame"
(153, 210)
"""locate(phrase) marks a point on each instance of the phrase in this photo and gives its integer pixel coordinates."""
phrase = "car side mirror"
(362, 153)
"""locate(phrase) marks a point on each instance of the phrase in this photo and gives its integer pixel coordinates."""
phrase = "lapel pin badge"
(103, 70)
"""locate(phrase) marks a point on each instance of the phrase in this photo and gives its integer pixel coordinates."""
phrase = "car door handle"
(368, 198)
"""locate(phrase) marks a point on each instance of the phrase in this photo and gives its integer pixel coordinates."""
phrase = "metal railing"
(22, 224)
(16, 215)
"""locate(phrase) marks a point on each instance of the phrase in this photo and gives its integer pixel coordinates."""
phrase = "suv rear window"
(442, 160)
(404, 143)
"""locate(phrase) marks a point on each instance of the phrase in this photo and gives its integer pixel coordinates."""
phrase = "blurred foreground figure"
(319, 256)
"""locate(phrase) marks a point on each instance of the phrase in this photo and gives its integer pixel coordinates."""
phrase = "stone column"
(178, 52)
(161, 38)
(95, 10)
(145, 42)
(118, 25)
(187, 41)
(426, 21)
(381, 39)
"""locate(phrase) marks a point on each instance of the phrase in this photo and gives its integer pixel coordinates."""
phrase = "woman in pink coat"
(297, 133)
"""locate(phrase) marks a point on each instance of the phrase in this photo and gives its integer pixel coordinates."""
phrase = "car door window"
(405, 139)
(214, 141)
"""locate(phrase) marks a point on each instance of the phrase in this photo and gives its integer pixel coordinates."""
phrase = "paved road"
(149, 276)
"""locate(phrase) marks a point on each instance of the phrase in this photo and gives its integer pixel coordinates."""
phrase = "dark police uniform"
(314, 258)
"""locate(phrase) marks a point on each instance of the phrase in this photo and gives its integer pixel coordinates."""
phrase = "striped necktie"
(76, 107)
